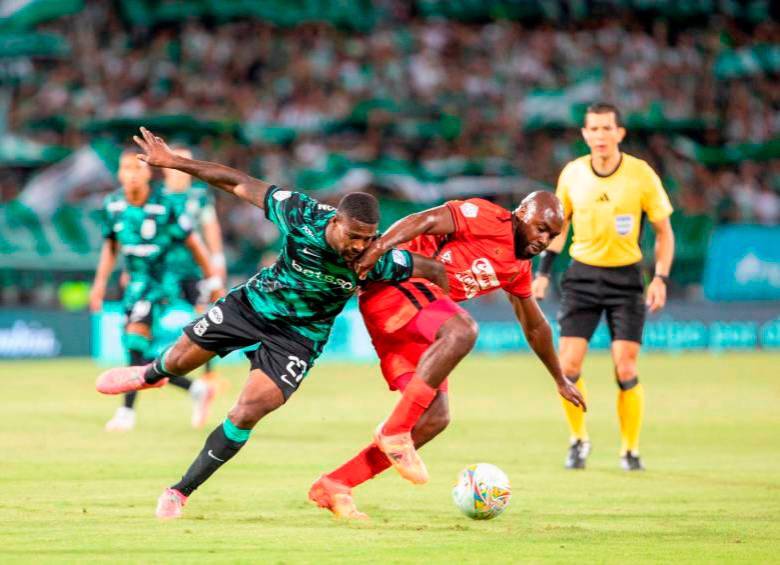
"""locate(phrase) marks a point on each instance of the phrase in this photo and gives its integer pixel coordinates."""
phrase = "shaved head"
(538, 220)
(544, 203)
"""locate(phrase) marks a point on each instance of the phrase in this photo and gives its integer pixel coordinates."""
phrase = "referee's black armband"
(546, 259)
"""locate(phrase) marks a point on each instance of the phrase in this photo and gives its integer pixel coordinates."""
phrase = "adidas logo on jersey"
(603, 198)
(446, 257)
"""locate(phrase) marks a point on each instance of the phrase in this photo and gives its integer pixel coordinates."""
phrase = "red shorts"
(399, 350)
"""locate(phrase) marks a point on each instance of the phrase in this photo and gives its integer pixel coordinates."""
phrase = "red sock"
(363, 466)
(416, 398)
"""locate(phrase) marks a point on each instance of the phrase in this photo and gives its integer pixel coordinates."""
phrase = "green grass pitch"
(71, 492)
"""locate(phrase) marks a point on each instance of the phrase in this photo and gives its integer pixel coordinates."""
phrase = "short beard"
(521, 244)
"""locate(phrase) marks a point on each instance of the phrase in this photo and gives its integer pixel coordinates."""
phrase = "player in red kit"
(483, 247)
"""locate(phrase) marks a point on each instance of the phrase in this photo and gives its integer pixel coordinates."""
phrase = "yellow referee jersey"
(606, 211)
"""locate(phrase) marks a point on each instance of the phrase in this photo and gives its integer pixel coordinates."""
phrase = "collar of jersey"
(325, 245)
(616, 169)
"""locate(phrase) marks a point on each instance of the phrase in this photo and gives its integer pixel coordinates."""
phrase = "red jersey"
(479, 257)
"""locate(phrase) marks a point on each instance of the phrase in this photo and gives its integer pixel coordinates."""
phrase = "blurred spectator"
(494, 79)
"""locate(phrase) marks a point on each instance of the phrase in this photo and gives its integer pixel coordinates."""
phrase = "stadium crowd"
(500, 82)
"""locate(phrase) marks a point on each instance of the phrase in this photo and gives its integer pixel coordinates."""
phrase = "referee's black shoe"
(578, 453)
(631, 462)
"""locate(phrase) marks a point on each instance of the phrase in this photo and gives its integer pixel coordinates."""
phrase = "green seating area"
(68, 241)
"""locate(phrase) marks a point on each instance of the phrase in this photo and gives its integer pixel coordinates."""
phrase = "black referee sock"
(222, 444)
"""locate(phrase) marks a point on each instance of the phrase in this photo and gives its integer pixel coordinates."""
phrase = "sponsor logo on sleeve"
(399, 257)
(282, 195)
(469, 210)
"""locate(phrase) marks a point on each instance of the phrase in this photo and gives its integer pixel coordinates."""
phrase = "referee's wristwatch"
(664, 278)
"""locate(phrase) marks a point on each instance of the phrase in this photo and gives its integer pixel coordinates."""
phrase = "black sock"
(136, 358)
(629, 384)
(130, 399)
(155, 372)
(181, 382)
(217, 451)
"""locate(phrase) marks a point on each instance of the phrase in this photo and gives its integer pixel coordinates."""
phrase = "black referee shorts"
(588, 291)
(282, 353)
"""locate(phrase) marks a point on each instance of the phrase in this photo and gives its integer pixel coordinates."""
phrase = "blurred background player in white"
(195, 200)
(142, 226)
(606, 197)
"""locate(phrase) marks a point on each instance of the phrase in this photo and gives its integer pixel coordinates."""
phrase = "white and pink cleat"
(170, 504)
(125, 379)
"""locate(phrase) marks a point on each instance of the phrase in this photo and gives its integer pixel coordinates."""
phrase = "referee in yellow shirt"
(606, 196)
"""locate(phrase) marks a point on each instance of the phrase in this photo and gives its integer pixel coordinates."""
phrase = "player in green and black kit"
(286, 310)
(142, 226)
(195, 200)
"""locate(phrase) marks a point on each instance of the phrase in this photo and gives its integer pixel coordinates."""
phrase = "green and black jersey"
(197, 203)
(145, 235)
(310, 283)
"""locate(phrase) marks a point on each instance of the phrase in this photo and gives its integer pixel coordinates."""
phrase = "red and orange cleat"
(170, 504)
(336, 497)
(125, 379)
(400, 450)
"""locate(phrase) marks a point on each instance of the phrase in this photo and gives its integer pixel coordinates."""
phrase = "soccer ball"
(482, 491)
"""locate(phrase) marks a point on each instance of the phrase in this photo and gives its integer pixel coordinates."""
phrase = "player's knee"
(625, 370)
(464, 334)
(571, 367)
(244, 417)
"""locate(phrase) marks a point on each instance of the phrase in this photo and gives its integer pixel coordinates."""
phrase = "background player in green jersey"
(195, 200)
(142, 226)
(286, 310)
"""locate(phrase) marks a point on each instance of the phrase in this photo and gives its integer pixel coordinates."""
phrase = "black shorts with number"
(588, 291)
(140, 312)
(282, 354)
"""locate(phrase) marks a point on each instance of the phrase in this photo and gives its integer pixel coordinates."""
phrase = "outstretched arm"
(158, 154)
(435, 221)
(103, 271)
(432, 270)
(539, 335)
(212, 234)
